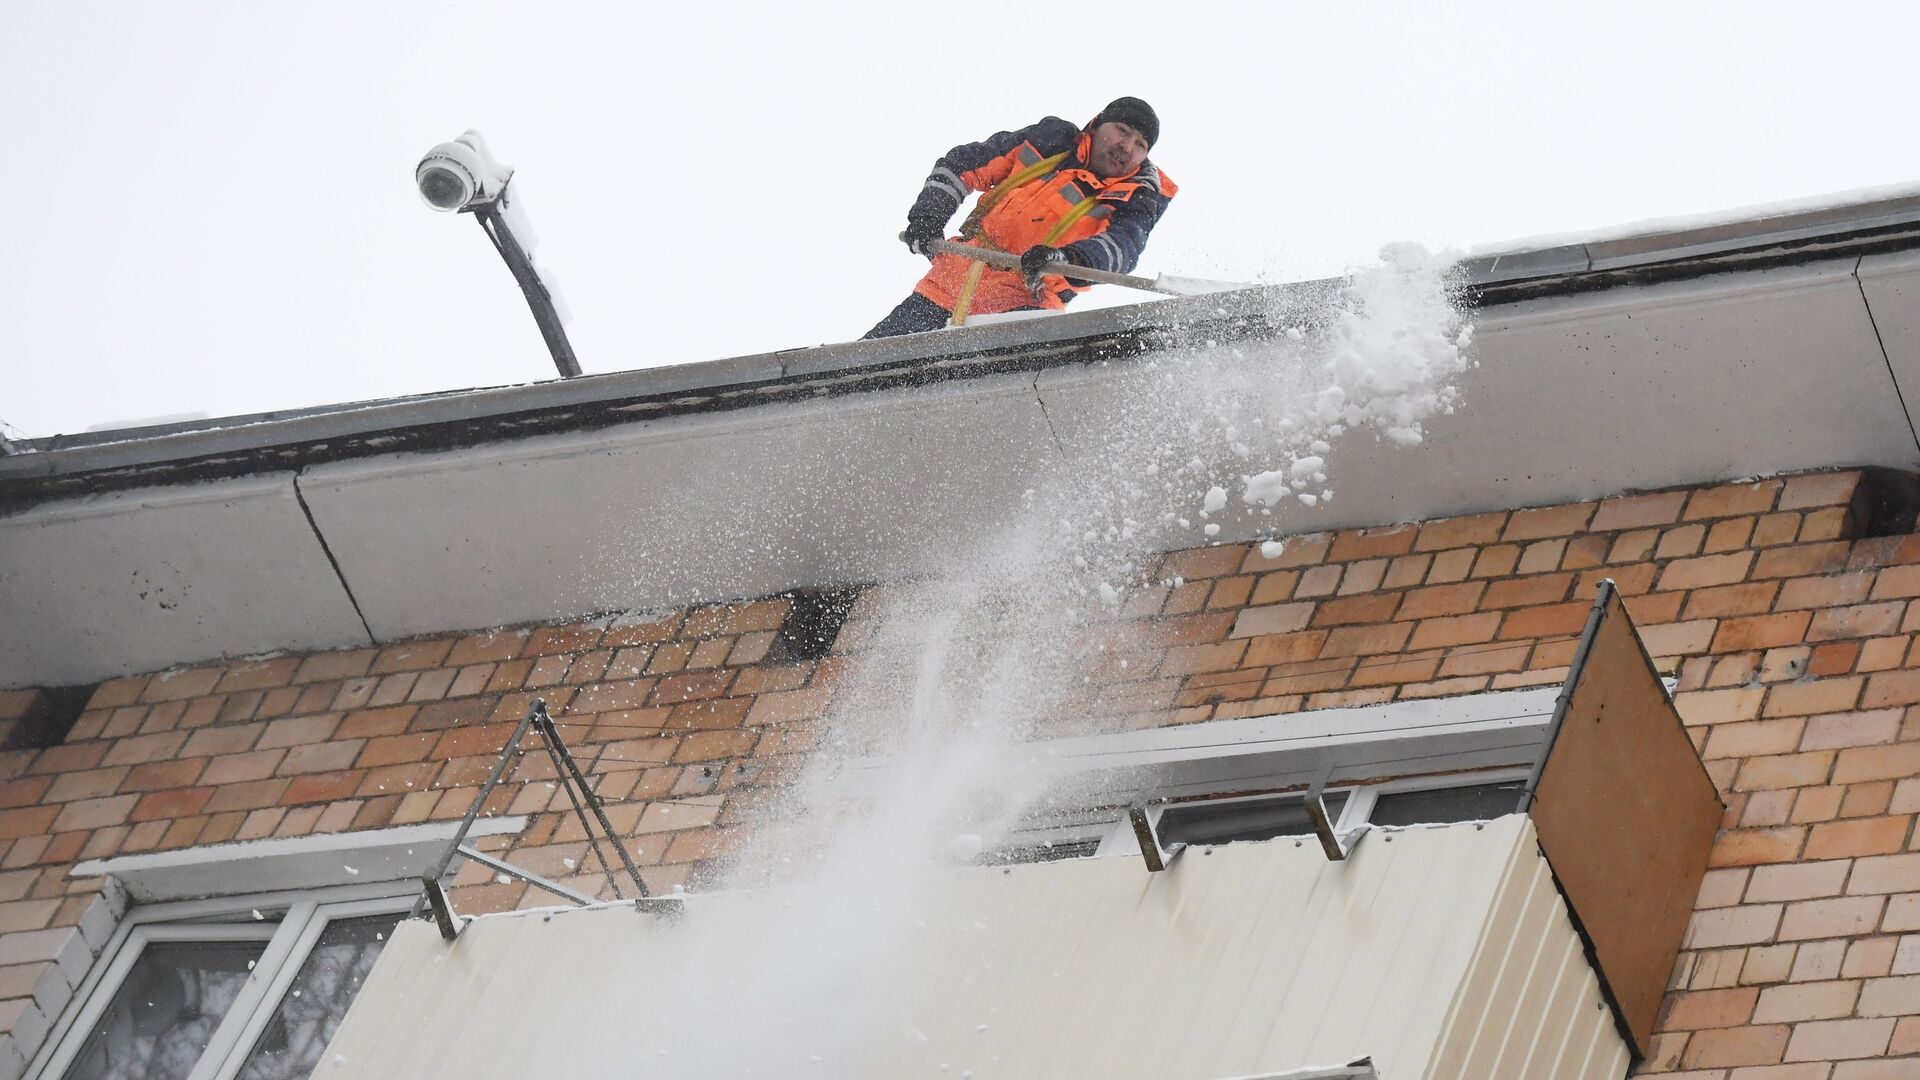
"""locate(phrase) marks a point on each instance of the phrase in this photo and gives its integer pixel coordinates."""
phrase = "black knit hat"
(1132, 112)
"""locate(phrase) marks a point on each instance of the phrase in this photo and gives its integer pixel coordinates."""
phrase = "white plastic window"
(247, 987)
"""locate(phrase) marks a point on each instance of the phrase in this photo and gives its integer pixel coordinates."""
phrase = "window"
(248, 987)
(1225, 819)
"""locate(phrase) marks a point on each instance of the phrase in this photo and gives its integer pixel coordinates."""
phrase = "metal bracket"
(1155, 856)
(585, 802)
(1337, 847)
(443, 915)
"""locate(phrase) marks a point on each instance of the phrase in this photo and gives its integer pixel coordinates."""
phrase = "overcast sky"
(210, 207)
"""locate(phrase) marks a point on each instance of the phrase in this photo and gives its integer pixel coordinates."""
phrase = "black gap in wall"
(1886, 502)
(49, 718)
(812, 623)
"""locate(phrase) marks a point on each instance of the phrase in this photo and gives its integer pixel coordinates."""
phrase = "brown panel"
(1626, 816)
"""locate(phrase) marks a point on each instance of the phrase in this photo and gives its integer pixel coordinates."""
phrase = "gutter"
(62, 466)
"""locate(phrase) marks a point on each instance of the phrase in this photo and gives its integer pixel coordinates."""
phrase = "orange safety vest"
(1034, 200)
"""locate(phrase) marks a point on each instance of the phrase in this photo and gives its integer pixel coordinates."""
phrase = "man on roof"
(1054, 193)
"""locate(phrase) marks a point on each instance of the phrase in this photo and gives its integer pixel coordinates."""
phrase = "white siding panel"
(1242, 960)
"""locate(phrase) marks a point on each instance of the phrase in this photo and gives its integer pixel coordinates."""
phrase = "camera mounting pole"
(495, 225)
(461, 175)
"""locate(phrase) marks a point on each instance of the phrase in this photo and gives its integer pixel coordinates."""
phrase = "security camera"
(459, 174)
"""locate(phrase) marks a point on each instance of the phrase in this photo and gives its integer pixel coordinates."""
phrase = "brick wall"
(1789, 637)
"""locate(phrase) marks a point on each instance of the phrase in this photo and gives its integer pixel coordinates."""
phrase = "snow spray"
(1019, 637)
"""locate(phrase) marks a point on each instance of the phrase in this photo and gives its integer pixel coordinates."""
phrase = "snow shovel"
(1165, 283)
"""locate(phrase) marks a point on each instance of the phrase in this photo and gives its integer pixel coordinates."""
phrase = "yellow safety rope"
(968, 230)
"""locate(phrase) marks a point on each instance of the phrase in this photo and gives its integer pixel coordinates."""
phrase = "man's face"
(1117, 150)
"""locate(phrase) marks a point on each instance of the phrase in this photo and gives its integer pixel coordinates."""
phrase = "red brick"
(395, 750)
(1897, 582)
(1733, 499)
(1722, 1048)
(711, 714)
(1548, 521)
(1772, 530)
(143, 748)
(1727, 600)
(1457, 630)
(222, 740)
(86, 784)
(1485, 659)
(1450, 566)
(1754, 847)
(1308, 549)
(1892, 688)
(1728, 535)
(1866, 836)
(642, 629)
(1527, 591)
(1802, 560)
(1638, 511)
(482, 648)
(1457, 599)
(259, 674)
(760, 680)
(27, 821)
(1547, 621)
(1819, 489)
(712, 745)
(1785, 770)
(318, 787)
(440, 715)
(327, 666)
(1386, 670)
(1761, 631)
(163, 805)
(1866, 763)
(1378, 607)
(1187, 659)
(1461, 532)
(1197, 563)
(1190, 629)
(319, 757)
(1807, 698)
(1373, 543)
(1284, 648)
(1831, 590)
(1308, 677)
(178, 684)
(1272, 619)
(692, 686)
(1708, 1009)
(1495, 562)
(789, 707)
(24, 790)
(606, 697)
(160, 775)
(1706, 570)
(1364, 640)
(94, 813)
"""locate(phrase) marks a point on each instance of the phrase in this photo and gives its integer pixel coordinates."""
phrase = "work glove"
(1033, 265)
(919, 231)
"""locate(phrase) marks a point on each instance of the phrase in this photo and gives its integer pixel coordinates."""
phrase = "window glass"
(1476, 803)
(314, 1005)
(166, 1011)
(1249, 819)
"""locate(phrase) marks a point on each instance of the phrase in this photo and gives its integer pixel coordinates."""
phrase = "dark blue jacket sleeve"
(958, 170)
(1118, 248)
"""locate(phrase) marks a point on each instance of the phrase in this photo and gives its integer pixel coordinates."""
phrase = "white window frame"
(289, 941)
(208, 893)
